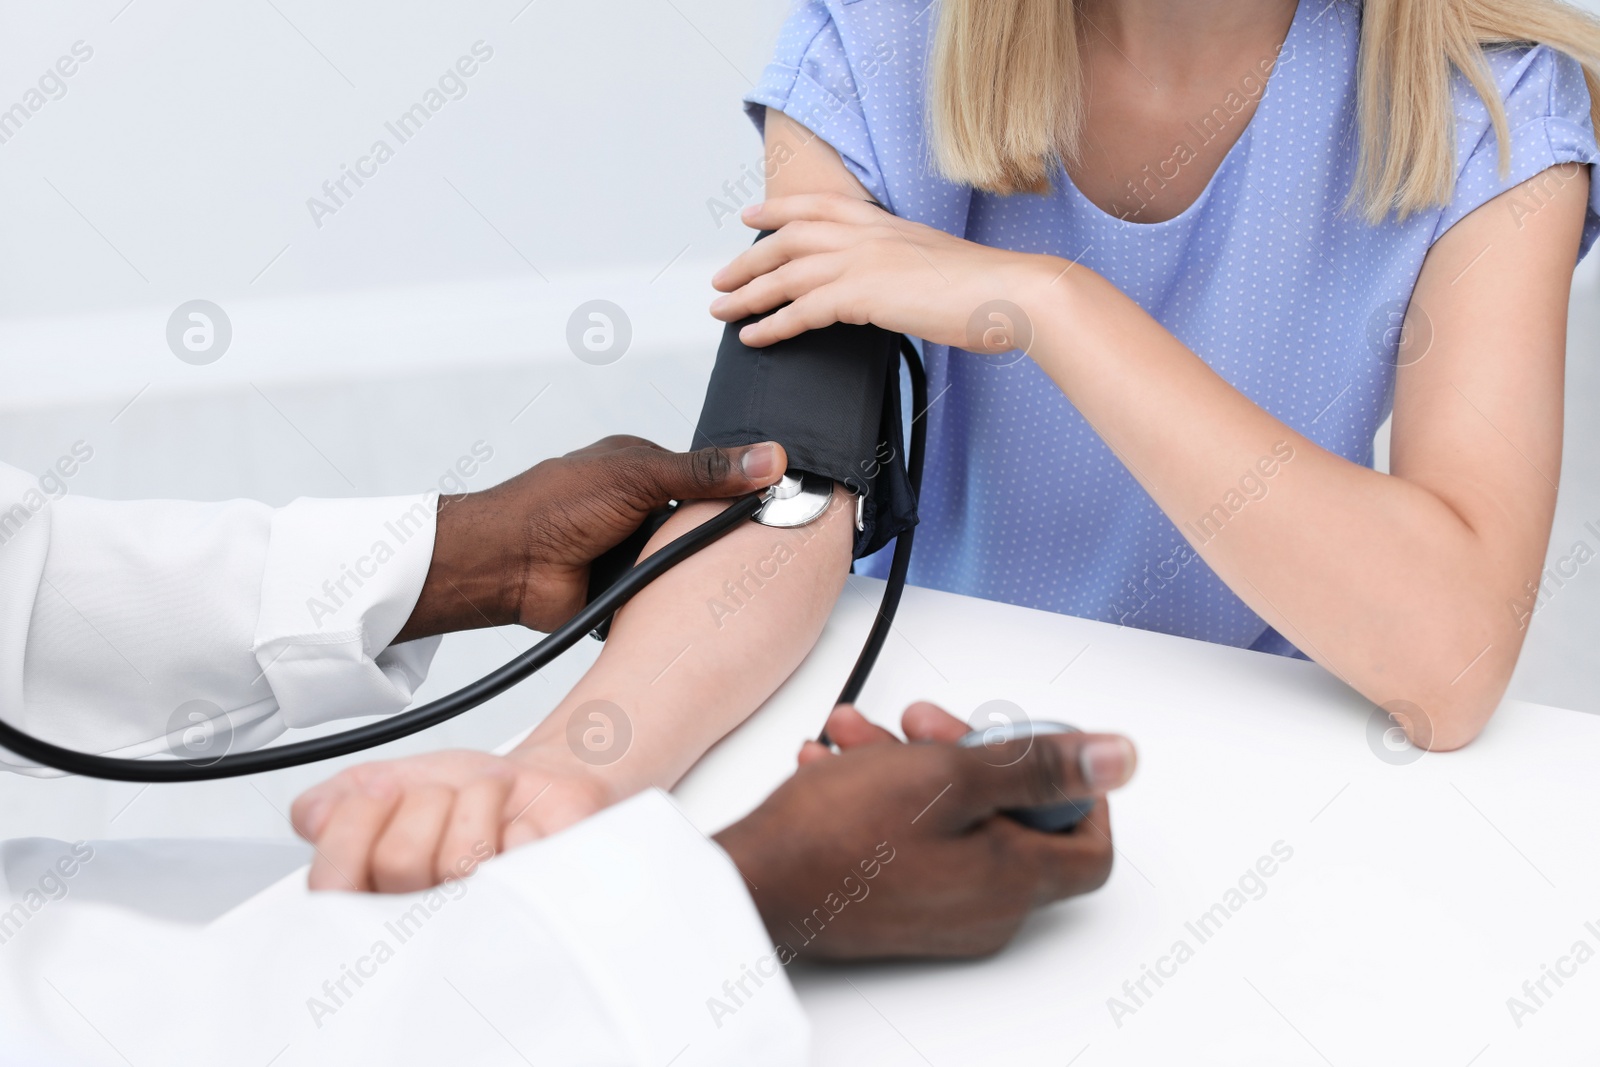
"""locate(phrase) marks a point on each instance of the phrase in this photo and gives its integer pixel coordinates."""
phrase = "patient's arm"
(702, 646)
(682, 669)
(676, 674)
(687, 660)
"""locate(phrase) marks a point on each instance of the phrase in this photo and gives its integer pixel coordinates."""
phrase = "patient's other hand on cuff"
(399, 826)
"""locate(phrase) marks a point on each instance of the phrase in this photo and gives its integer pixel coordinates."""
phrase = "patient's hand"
(398, 826)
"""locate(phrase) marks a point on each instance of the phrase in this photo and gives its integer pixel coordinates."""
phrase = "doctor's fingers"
(1065, 864)
(652, 477)
(344, 847)
(847, 728)
(926, 721)
(634, 468)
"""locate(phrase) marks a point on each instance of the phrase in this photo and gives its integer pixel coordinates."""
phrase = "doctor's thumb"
(717, 473)
(1030, 772)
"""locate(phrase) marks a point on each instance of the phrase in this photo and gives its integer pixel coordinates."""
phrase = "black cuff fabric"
(831, 397)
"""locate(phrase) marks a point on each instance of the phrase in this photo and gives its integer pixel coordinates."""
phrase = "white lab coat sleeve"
(616, 941)
(340, 580)
(138, 627)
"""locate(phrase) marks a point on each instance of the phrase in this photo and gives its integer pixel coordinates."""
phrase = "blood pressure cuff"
(831, 398)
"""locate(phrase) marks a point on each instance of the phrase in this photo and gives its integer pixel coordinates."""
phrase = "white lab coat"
(627, 939)
(121, 620)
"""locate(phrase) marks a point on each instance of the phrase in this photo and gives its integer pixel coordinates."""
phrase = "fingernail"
(750, 211)
(719, 303)
(760, 462)
(1106, 762)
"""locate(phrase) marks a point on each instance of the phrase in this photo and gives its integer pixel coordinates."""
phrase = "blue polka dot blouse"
(1290, 297)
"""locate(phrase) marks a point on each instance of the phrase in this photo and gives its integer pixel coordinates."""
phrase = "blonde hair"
(1006, 103)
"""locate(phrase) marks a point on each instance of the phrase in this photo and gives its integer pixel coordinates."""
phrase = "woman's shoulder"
(1535, 82)
(1548, 119)
(849, 40)
(862, 23)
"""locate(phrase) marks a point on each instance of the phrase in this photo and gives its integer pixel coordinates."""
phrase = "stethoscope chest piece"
(795, 501)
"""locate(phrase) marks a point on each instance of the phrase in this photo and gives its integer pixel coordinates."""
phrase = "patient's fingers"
(403, 857)
(793, 241)
(344, 849)
(816, 309)
(472, 834)
(556, 804)
(780, 286)
(825, 207)
(310, 811)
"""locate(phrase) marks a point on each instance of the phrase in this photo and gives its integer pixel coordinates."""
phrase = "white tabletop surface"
(1423, 890)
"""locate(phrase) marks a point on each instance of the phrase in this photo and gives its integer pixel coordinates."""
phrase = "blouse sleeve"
(1547, 111)
(813, 79)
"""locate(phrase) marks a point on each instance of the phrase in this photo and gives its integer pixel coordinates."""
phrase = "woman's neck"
(1177, 42)
(1153, 68)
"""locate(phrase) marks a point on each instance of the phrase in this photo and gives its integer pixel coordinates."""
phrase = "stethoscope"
(792, 502)
(792, 499)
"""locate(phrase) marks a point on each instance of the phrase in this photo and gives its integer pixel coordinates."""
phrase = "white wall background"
(193, 138)
(430, 311)
(368, 354)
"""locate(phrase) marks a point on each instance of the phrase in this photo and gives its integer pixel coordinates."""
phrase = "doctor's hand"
(520, 552)
(399, 826)
(890, 849)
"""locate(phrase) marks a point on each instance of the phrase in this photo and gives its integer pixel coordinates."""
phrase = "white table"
(1421, 894)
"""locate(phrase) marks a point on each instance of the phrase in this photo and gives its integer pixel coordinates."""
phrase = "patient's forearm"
(699, 649)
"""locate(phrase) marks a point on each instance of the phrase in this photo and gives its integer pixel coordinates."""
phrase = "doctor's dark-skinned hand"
(959, 877)
(520, 552)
